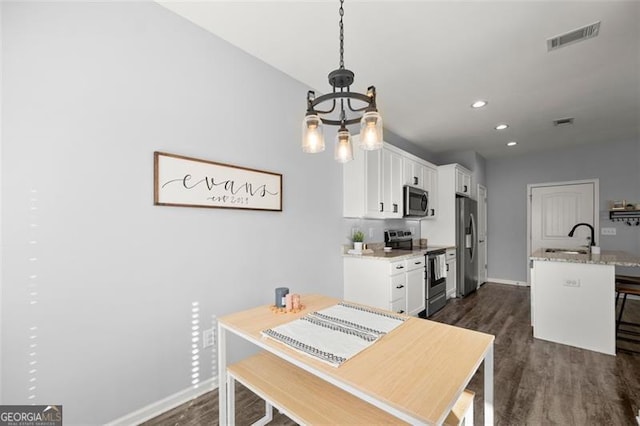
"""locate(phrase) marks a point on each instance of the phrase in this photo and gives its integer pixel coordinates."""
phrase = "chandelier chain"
(341, 36)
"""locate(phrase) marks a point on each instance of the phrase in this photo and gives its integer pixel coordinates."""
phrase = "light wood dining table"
(415, 373)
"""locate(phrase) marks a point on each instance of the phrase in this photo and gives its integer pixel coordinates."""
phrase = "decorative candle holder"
(281, 294)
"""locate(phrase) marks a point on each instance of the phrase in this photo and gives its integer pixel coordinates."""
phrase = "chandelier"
(341, 95)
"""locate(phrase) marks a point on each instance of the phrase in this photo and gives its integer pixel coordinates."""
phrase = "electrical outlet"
(208, 338)
(571, 283)
(608, 231)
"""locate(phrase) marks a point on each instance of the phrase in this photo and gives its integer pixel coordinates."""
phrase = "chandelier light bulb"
(344, 150)
(371, 131)
(312, 134)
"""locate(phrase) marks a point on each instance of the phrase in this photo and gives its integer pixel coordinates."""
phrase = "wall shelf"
(630, 217)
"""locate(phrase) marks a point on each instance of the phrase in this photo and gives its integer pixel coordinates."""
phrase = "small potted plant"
(357, 238)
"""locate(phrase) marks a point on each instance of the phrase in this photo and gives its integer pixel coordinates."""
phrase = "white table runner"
(337, 333)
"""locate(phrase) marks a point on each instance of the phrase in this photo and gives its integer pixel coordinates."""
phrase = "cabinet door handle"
(417, 263)
(401, 311)
(399, 267)
(381, 207)
(433, 212)
(447, 267)
(465, 188)
(415, 180)
(400, 286)
(395, 208)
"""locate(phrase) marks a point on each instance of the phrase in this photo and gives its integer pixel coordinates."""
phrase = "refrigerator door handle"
(473, 236)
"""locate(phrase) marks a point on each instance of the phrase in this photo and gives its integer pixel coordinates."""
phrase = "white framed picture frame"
(192, 182)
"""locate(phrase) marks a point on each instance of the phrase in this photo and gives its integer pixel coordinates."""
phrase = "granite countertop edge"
(606, 257)
(396, 255)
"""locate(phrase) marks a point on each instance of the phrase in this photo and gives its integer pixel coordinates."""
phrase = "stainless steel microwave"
(416, 202)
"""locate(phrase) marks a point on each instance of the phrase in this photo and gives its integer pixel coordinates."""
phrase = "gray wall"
(473, 161)
(418, 151)
(616, 165)
(101, 277)
(1, 186)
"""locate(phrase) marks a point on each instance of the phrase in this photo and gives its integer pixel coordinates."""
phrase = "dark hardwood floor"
(535, 382)
(543, 383)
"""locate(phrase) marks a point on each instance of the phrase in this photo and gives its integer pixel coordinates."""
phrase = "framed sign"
(184, 181)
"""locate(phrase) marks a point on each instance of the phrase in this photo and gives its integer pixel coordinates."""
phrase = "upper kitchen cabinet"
(424, 175)
(373, 183)
(463, 181)
(414, 173)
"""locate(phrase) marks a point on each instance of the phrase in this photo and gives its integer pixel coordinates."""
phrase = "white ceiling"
(429, 60)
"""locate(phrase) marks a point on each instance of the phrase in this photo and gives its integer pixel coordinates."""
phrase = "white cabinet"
(396, 286)
(372, 184)
(431, 185)
(369, 182)
(442, 230)
(392, 202)
(451, 273)
(424, 175)
(414, 173)
(463, 181)
(415, 278)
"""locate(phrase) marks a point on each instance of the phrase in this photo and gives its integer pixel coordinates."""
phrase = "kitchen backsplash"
(373, 229)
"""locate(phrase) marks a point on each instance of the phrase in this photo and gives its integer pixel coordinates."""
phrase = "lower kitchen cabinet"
(395, 286)
(451, 273)
(415, 285)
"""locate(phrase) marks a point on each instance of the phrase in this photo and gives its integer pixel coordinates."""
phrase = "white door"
(555, 209)
(482, 235)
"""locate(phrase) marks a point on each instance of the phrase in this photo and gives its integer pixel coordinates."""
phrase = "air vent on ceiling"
(574, 36)
(563, 121)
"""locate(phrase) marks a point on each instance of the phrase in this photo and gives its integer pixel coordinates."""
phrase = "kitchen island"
(573, 297)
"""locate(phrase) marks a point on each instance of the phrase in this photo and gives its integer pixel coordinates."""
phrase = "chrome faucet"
(593, 237)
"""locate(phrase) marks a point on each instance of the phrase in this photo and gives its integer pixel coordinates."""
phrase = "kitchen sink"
(566, 251)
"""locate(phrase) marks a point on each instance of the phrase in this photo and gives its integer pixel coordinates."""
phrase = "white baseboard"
(172, 401)
(510, 282)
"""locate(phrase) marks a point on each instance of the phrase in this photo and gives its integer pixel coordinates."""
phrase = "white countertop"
(606, 257)
(395, 254)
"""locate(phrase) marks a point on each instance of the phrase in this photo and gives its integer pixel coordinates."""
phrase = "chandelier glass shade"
(344, 149)
(343, 108)
(371, 131)
(312, 134)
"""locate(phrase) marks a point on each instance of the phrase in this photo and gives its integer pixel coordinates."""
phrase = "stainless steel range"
(398, 239)
(436, 285)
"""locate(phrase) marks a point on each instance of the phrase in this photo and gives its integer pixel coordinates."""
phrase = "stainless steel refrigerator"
(467, 245)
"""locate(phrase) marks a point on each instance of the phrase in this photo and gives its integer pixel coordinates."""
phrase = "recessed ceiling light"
(512, 143)
(479, 104)
(501, 126)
